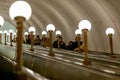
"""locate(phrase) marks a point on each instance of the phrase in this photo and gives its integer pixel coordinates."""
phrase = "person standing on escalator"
(59, 43)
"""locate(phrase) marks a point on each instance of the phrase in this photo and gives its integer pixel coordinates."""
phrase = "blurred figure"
(47, 42)
(70, 46)
(75, 44)
(28, 41)
(44, 41)
(37, 40)
(14, 39)
(60, 43)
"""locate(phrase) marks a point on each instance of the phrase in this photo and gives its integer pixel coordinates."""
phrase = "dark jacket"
(75, 44)
(70, 46)
(62, 44)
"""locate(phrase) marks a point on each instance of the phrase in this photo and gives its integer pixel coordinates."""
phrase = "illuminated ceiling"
(66, 14)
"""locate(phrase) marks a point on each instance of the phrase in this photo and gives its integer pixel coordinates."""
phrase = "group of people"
(58, 43)
(72, 45)
(38, 41)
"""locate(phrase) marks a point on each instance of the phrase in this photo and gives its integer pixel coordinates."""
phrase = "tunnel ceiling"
(66, 14)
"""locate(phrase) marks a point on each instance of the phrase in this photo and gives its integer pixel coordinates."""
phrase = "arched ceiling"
(66, 14)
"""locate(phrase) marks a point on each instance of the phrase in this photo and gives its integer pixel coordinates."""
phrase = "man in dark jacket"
(75, 44)
(61, 43)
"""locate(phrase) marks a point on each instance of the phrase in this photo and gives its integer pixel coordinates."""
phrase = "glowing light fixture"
(1, 21)
(85, 26)
(50, 28)
(20, 11)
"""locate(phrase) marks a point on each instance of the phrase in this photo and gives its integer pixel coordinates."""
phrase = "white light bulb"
(109, 31)
(21, 9)
(50, 27)
(5, 31)
(1, 21)
(58, 32)
(10, 31)
(44, 32)
(32, 29)
(26, 33)
(78, 31)
(84, 24)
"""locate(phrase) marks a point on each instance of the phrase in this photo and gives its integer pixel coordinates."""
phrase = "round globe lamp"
(110, 33)
(50, 28)
(20, 11)
(85, 26)
(26, 33)
(44, 33)
(58, 32)
(1, 21)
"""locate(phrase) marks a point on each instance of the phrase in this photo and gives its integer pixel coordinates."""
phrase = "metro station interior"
(59, 40)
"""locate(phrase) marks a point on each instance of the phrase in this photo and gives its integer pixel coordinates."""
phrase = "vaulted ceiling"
(66, 14)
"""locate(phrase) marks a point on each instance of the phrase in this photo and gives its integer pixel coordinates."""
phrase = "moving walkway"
(93, 55)
(67, 65)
